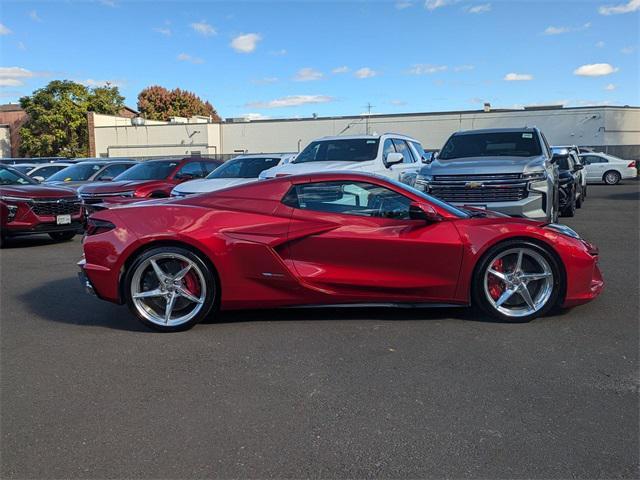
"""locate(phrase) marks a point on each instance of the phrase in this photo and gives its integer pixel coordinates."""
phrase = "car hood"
(115, 187)
(37, 191)
(310, 167)
(209, 185)
(73, 185)
(480, 165)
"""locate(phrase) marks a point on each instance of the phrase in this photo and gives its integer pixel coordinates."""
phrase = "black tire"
(570, 209)
(481, 303)
(580, 199)
(611, 177)
(62, 236)
(210, 304)
(584, 192)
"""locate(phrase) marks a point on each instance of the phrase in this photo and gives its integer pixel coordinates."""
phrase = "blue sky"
(288, 59)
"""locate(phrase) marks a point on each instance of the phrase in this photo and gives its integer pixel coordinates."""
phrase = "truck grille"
(48, 208)
(479, 188)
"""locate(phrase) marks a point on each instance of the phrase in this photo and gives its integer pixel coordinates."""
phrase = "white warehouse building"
(612, 129)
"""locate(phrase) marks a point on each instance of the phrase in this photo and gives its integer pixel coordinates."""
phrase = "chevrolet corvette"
(329, 239)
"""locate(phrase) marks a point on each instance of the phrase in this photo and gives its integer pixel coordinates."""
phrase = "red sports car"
(150, 179)
(329, 239)
(28, 207)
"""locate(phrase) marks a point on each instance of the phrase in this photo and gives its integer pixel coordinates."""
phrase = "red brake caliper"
(191, 284)
(496, 287)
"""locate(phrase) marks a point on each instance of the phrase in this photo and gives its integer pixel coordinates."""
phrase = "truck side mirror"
(394, 158)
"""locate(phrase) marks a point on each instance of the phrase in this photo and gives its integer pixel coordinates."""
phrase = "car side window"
(208, 167)
(546, 145)
(349, 198)
(191, 169)
(388, 148)
(419, 150)
(403, 148)
(112, 171)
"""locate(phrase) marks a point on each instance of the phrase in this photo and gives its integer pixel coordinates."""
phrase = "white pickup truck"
(390, 155)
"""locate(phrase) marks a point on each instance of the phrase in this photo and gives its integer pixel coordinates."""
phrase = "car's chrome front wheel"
(518, 282)
(170, 288)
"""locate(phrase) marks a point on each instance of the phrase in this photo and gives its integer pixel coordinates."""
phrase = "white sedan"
(242, 169)
(601, 167)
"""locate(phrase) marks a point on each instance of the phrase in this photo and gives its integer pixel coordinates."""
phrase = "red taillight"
(632, 164)
(95, 226)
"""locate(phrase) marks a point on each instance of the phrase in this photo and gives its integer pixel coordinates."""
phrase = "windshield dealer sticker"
(527, 135)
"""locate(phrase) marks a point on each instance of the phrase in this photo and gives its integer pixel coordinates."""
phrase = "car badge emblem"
(473, 185)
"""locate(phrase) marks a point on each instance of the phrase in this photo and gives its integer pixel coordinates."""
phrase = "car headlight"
(423, 182)
(8, 198)
(563, 230)
(534, 176)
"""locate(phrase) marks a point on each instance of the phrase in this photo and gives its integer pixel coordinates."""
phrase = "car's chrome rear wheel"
(611, 177)
(170, 289)
(517, 282)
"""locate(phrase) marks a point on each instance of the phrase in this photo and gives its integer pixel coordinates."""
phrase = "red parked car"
(329, 239)
(27, 207)
(150, 179)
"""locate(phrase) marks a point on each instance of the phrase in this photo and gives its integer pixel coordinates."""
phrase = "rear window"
(76, 173)
(512, 144)
(344, 150)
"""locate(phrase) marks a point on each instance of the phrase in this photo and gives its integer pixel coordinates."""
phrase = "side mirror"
(184, 176)
(38, 178)
(579, 167)
(423, 211)
(431, 156)
(394, 158)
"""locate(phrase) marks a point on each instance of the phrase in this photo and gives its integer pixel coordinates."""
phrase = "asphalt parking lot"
(87, 392)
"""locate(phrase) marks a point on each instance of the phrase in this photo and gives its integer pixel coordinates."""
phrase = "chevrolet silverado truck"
(507, 170)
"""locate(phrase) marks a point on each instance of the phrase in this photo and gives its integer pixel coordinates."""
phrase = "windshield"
(243, 167)
(513, 144)
(435, 201)
(11, 177)
(76, 173)
(344, 150)
(148, 171)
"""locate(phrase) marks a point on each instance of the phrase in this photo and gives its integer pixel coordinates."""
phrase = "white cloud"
(203, 28)
(630, 6)
(185, 57)
(255, 116)
(10, 82)
(627, 50)
(610, 87)
(463, 68)
(308, 75)
(33, 15)
(245, 43)
(560, 30)
(90, 82)
(292, 101)
(435, 4)
(264, 80)
(595, 70)
(402, 4)
(482, 8)
(426, 69)
(600, 44)
(343, 69)
(166, 31)
(4, 30)
(16, 76)
(365, 72)
(518, 77)
(278, 53)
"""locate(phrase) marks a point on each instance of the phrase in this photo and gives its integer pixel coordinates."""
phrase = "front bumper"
(534, 206)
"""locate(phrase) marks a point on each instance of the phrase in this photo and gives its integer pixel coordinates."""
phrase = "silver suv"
(509, 170)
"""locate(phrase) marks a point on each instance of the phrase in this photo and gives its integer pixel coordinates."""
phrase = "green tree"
(57, 124)
(158, 103)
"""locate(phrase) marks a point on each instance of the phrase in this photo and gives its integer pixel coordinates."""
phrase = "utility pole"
(368, 106)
